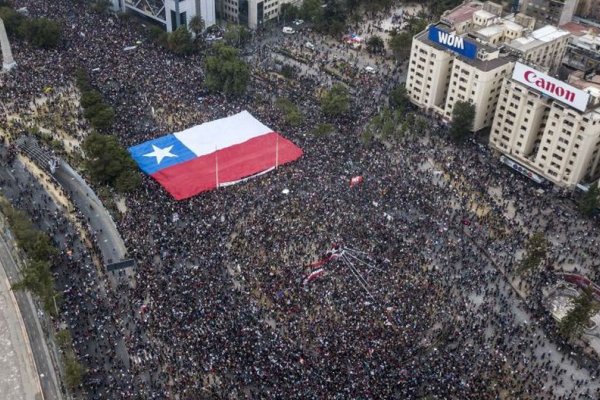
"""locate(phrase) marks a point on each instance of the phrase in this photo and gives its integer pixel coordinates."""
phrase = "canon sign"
(549, 86)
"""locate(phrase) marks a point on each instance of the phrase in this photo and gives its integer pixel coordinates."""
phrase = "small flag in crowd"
(357, 180)
(314, 275)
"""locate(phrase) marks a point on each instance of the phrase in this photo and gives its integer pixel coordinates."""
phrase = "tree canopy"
(589, 201)
(197, 25)
(109, 163)
(180, 41)
(375, 45)
(335, 101)
(536, 249)
(576, 320)
(463, 116)
(226, 72)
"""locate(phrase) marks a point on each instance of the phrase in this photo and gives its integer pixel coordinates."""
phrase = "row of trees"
(39, 32)
(107, 162)
(38, 279)
(74, 371)
(37, 276)
(179, 42)
(96, 110)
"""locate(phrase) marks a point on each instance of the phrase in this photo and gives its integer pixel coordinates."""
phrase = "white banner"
(549, 86)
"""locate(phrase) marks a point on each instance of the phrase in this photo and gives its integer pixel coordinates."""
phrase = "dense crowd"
(218, 308)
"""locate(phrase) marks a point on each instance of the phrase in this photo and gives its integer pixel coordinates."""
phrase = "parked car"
(288, 30)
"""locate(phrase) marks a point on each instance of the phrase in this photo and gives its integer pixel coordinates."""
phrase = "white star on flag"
(160, 153)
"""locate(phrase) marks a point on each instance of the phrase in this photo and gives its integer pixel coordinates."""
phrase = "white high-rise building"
(466, 56)
(251, 13)
(548, 127)
(171, 13)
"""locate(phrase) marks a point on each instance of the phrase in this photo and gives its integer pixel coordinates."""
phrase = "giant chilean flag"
(213, 154)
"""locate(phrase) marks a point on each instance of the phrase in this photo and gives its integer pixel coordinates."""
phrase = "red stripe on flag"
(234, 163)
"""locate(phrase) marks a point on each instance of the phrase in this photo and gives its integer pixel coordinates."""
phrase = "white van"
(287, 29)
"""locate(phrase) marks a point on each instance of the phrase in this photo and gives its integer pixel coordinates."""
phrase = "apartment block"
(469, 52)
(550, 127)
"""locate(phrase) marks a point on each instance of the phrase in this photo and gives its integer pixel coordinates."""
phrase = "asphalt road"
(109, 241)
(82, 289)
(29, 312)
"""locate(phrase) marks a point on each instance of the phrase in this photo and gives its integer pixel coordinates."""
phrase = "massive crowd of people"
(219, 309)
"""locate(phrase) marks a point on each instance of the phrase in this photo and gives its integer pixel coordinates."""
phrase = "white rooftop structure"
(546, 34)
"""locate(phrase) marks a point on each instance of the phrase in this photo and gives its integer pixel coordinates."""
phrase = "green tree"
(12, 20)
(536, 249)
(90, 98)
(108, 162)
(312, 10)
(180, 41)
(589, 201)
(101, 6)
(576, 320)
(100, 115)
(157, 35)
(332, 19)
(41, 32)
(237, 35)
(289, 12)
(74, 371)
(335, 101)
(400, 43)
(415, 25)
(291, 113)
(398, 98)
(463, 116)
(375, 45)
(127, 181)
(197, 25)
(226, 72)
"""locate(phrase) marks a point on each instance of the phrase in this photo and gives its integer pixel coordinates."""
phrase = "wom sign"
(458, 44)
(549, 86)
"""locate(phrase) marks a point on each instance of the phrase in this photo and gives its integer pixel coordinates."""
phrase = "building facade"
(550, 12)
(583, 53)
(466, 56)
(550, 127)
(589, 9)
(170, 13)
(251, 13)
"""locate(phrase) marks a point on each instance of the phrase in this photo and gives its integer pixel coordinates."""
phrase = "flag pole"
(216, 167)
(277, 152)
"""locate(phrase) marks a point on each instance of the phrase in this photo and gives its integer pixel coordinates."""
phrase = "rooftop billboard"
(551, 87)
(457, 44)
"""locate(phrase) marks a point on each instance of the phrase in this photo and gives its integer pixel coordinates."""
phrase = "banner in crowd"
(213, 154)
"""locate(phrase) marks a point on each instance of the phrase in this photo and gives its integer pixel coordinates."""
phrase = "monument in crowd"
(8, 62)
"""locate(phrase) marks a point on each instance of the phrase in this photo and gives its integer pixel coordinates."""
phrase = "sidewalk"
(18, 374)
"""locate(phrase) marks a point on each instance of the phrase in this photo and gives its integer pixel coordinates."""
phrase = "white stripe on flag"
(222, 133)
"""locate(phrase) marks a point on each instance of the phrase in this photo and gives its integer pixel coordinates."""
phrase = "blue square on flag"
(160, 153)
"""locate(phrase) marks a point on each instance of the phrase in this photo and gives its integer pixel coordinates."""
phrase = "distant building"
(469, 52)
(549, 127)
(550, 12)
(170, 13)
(583, 51)
(589, 9)
(251, 13)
